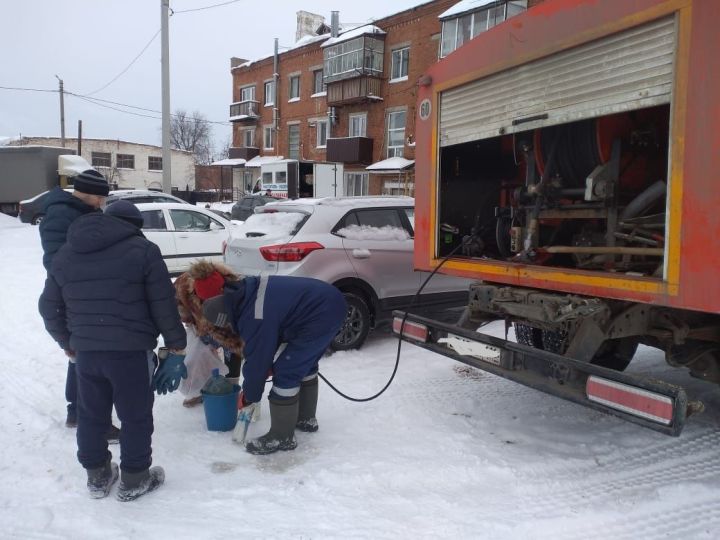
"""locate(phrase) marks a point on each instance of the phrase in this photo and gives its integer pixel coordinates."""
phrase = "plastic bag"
(200, 360)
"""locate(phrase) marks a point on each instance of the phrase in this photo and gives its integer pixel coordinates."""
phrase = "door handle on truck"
(361, 253)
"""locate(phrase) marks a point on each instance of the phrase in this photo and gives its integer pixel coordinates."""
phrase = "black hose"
(400, 334)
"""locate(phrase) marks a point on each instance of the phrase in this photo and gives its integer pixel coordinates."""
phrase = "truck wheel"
(356, 326)
(37, 219)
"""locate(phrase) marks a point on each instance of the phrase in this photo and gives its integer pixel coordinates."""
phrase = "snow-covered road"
(446, 452)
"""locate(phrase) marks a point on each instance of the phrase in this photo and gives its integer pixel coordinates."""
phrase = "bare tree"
(191, 133)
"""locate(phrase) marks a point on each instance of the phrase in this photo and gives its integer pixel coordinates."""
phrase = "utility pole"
(165, 60)
(62, 112)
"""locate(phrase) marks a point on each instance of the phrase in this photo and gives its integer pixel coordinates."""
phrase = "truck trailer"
(568, 160)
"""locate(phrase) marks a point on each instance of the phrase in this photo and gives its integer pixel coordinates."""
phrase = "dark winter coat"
(108, 289)
(280, 309)
(61, 209)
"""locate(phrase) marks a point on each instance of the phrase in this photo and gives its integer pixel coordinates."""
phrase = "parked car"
(184, 233)
(362, 245)
(245, 207)
(137, 196)
(33, 210)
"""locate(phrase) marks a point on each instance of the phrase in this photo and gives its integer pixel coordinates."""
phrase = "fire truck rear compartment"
(590, 195)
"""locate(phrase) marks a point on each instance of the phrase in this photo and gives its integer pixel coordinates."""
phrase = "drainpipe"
(276, 99)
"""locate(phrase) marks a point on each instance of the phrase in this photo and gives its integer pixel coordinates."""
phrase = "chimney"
(307, 24)
(334, 23)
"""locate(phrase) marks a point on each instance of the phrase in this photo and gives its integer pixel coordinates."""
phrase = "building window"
(460, 29)
(247, 138)
(247, 93)
(322, 133)
(268, 137)
(294, 141)
(125, 161)
(101, 159)
(358, 125)
(400, 62)
(395, 133)
(269, 93)
(294, 90)
(352, 58)
(319, 86)
(356, 184)
(154, 163)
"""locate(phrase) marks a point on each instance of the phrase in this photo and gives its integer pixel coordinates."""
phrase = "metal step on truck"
(568, 160)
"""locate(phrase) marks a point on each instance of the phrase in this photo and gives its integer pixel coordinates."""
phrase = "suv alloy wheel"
(356, 326)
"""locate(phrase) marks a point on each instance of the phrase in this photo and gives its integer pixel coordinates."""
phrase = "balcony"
(350, 150)
(243, 152)
(245, 112)
(357, 90)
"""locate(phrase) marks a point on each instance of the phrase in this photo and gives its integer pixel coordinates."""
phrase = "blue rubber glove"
(167, 377)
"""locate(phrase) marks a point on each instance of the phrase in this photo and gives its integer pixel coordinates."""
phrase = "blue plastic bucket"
(221, 411)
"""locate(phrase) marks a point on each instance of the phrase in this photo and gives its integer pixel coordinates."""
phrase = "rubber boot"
(101, 480)
(308, 406)
(134, 485)
(283, 417)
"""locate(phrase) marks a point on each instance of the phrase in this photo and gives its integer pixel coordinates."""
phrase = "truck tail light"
(630, 399)
(413, 330)
(289, 252)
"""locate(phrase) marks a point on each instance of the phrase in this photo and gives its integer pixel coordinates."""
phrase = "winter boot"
(101, 479)
(134, 485)
(283, 417)
(308, 405)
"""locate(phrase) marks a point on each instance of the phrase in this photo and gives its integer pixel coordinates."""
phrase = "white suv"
(362, 245)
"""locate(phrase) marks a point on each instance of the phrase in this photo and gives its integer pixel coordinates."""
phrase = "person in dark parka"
(107, 298)
(90, 190)
(287, 324)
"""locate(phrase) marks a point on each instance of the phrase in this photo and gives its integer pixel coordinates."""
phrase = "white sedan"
(184, 233)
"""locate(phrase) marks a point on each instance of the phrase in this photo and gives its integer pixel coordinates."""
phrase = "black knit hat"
(91, 182)
(127, 211)
(214, 311)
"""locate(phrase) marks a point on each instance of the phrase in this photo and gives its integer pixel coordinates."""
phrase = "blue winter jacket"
(301, 312)
(108, 289)
(61, 209)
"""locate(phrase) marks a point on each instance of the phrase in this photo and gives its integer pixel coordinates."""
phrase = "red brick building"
(348, 97)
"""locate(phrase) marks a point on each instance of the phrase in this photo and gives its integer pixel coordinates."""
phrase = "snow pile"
(446, 452)
(366, 232)
(269, 225)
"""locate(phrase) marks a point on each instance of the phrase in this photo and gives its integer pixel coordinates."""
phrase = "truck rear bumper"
(653, 404)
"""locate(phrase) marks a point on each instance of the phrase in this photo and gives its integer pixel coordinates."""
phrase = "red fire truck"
(569, 160)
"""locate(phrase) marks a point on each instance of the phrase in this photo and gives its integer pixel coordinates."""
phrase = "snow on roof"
(236, 162)
(7, 140)
(355, 32)
(464, 6)
(366, 201)
(391, 164)
(71, 165)
(366, 232)
(308, 39)
(261, 160)
(269, 224)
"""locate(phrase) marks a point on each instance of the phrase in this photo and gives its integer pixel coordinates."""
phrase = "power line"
(206, 7)
(26, 89)
(103, 102)
(128, 66)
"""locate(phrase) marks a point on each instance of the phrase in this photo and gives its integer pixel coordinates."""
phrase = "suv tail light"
(289, 252)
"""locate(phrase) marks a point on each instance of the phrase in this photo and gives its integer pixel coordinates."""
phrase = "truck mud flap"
(653, 404)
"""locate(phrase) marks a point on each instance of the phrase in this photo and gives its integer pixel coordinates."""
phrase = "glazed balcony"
(246, 112)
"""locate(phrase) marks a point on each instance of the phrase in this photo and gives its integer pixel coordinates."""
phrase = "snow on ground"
(446, 452)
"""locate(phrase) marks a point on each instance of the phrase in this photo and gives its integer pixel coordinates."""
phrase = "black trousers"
(123, 379)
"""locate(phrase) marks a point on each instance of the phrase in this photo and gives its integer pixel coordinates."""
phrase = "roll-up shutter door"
(629, 70)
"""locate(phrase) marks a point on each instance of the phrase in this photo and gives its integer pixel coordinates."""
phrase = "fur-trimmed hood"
(190, 306)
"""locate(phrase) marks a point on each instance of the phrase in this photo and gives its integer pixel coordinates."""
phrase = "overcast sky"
(88, 43)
